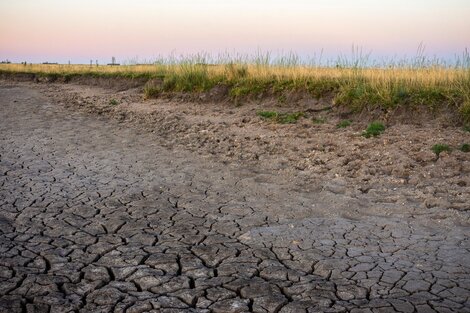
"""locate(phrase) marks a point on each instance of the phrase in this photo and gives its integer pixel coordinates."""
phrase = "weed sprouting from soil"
(439, 148)
(113, 102)
(282, 118)
(373, 130)
(268, 114)
(344, 124)
(465, 147)
(290, 118)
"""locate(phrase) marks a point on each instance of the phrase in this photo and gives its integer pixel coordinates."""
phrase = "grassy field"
(357, 87)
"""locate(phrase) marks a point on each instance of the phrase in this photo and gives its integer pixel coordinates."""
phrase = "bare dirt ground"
(177, 206)
(394, 174)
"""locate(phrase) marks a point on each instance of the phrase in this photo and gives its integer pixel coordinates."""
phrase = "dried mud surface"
(169, 206)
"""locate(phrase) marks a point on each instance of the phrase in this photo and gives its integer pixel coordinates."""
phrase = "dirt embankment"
(395, 173)
(114, 83)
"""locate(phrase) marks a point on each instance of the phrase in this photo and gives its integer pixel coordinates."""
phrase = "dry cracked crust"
(98, 216)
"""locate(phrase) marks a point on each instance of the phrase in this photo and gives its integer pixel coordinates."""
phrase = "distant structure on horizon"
(113, 62)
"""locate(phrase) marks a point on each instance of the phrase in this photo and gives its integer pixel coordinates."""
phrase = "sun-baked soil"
(167, 205)
(396, 173)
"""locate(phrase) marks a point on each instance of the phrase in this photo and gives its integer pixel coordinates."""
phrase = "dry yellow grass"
(433, 76)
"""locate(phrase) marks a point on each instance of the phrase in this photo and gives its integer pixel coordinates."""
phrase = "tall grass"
(357, 82)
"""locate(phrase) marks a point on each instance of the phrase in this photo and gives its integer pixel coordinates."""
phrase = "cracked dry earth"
(96, 216)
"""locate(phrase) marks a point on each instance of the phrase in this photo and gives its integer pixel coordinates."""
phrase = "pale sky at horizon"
(58, 30)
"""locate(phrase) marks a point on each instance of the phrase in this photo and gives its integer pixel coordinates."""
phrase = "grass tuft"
(465, 147)
(290, 118)
(113, 102)
(268, 114)
(373, 130)
(465, 111)
(152, 92)
(439, 148)
(282, 118)
(344, 124)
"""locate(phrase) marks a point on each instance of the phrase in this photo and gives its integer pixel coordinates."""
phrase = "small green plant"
(466, 128)
(282, 118)
(344, 124)
(268, 114)
(319, 120)
(439, 148)
(373, 130)
(113, 102)
(465, 147)
(290, 118)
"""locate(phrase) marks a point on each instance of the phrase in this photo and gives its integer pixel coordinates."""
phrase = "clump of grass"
(358, 94)
(190, 78)
(439, 148)
(113, 102)
(268, 114)
(373, 130)
(465, 111)
(344, 124)
(236, 71)
(282, 118)
(152, 92)
(465, 147)
(248, 87)
(290, 118)
(320, 87)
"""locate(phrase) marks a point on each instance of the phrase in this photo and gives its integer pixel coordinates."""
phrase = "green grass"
(344, 124)
(113, 102)
(152, 91)
(268, 114)
(282, 118)
(439, 148)
(373, 130)
(465, 147)
(464, 110)
(290, 118)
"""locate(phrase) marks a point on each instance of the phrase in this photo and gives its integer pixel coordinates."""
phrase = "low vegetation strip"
(355, 87)
(282, 118)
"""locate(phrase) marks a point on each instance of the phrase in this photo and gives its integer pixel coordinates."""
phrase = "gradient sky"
(80, 30)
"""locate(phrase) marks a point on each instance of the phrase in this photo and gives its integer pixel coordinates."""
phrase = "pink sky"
(57, 30)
